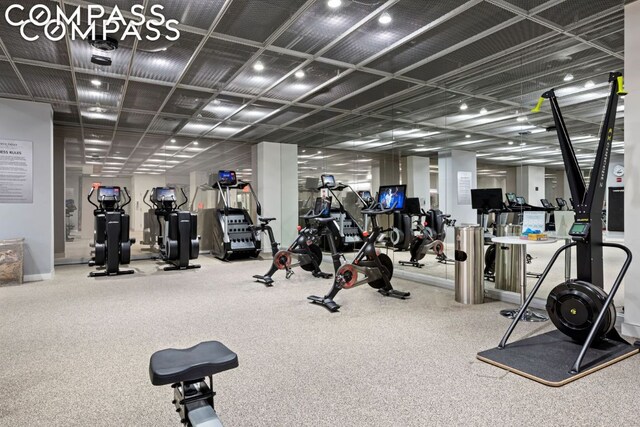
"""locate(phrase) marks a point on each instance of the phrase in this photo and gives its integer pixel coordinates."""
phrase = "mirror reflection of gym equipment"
(177, 239)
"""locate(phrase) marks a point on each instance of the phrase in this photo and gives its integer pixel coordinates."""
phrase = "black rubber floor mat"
(549, 357)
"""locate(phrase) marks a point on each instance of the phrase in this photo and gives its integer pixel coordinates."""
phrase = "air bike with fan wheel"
(369, 265)
(304, 252)
(582, 311)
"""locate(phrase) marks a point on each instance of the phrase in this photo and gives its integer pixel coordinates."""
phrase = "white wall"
(631, 324)
(139, 185)
(31, 121)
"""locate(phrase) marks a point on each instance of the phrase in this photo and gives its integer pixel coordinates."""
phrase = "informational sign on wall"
(464, 187)
(16, 171)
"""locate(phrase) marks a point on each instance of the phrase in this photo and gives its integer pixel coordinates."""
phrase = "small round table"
(528, 315)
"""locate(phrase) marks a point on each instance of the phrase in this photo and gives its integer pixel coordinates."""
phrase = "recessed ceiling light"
(568, 77)
(589, 84)
(334, 3)
(385, 19)
(97, 110)
(304, 151)
(463, 106)
(523, 144)
(216, 102)
(195, 142)
(467, 136)
(483, 111)
(299, 74)
(521, 118)
(258, 66)
(96, 82)
(173, 140)
(319, 152)
(510, 142)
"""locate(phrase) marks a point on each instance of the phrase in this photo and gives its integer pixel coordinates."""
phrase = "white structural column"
(418, 179)
(196, 179)
(531, 184)
(631, 325)
(275, 179)
(457, 174)
(140, 184)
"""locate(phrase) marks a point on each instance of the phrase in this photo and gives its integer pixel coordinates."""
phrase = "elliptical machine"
(150, 232)
(178, 241)
(111, 242)
(376, 267)
(305, 247)
(581, 310)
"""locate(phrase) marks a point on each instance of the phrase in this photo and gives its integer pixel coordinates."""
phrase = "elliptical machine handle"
(144, 199)
(128, 196)
(186, 199)
(89, 198)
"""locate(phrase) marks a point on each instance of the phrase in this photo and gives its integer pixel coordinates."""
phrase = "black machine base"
(267, 280)
(327, 303)
(411, 264)
(394, 293)
(104, 273)
(175, 267)
(547, 358)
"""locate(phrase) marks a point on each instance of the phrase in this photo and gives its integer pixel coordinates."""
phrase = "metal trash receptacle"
(11, 262)
(469, 256)
(508, 266)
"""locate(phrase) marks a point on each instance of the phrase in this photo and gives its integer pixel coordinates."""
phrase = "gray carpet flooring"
(75, 351)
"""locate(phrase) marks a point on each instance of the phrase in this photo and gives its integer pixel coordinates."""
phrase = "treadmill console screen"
(162, 194)
(109, 193)
(227, 178)
(328, 181)
(392, 196)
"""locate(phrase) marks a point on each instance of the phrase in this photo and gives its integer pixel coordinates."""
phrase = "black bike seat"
(172, 365)
(266, 220)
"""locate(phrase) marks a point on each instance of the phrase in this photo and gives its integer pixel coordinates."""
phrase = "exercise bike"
(305, 248)
(430, 237)
(186, 370)
(111, 243)
(376, 268)
(582, 311)
(178, 240)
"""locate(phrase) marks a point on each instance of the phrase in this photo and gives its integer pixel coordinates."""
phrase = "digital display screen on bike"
(328, 181)
(162, 194)
(366, 195)
(511, 197)
(521, 200)
(392, 196)
(227, 178)
(109, 193)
